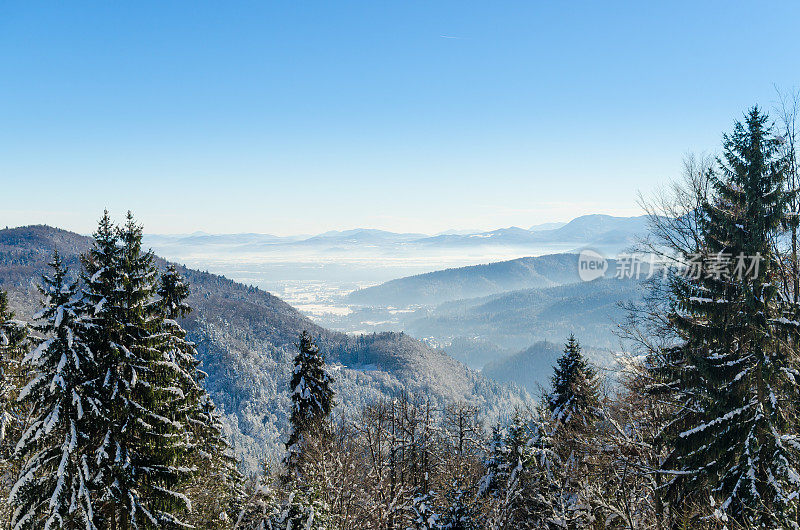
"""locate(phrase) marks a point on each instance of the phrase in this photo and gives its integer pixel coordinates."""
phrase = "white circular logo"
(591, 265)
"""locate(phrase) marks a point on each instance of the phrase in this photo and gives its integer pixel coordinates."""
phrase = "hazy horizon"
(119, 217)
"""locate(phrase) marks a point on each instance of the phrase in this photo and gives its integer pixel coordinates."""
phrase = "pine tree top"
(575, 386)
(173, 291)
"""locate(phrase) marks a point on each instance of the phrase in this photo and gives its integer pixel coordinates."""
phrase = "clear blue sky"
(299, 117)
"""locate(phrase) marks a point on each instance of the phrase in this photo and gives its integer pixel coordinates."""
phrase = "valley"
(467, 305)
(479, 296)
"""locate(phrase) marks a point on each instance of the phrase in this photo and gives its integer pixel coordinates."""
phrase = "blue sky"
(300, 117)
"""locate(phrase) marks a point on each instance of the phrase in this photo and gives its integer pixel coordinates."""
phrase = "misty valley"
(449, 290)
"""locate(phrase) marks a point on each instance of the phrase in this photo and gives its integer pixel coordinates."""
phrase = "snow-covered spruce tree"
(556, 486)
(140, 453)
(424, 514)
(507, 474)
(460, 512)
(527, 481)
(100, 283)
(302, 508)
(498, 468)
(735, 367)
(13, 342)
(13, 345)
(215, 487)
(312, 397)
(574, 406)
(54, 485)
(575, 394)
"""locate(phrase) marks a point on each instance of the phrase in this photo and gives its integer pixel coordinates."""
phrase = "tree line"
(105, 423)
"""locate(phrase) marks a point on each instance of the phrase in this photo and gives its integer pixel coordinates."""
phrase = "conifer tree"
(460, 512)
(54, 485)
(215, 487)
(301, 508)
(189, 402)
(312, 396)
(527, 479)
(575, 387)
(13, 344)
(100, 281)
(507, 473)
(566, 444)
(557, 477)
(13, 341)
(735, 367)
(140, 448)
(497, 465)
(425, 515)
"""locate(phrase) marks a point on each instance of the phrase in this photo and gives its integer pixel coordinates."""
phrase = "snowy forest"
(105, 422)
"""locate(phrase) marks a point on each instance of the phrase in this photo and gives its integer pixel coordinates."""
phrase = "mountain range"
(503, 323)
(482, 313)
(246, 338)
(585, 230)
(457, 283)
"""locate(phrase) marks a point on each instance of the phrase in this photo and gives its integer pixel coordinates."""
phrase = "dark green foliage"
(311, 394)
(215, 487)
(295, 508)
(424, 514)
(461, 511)
(508, 471)
(532, 486)
(121, 432)
(735, 367)
(575, 395)
(140, 448)
(498, 465)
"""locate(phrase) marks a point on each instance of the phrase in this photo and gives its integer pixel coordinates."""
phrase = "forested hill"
(246, 341)
(474, 281)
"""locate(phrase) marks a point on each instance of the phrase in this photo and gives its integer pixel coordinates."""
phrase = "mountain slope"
(598, 227)
(469, 282)
(530, 368)
(546, 226)
(245, 339)
(505, 321)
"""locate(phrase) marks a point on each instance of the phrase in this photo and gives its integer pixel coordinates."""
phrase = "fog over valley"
(349, 281)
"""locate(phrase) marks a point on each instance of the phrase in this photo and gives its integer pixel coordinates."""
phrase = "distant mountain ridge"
(434, 288)
(580, 231)
(245, 339)
(482, 313)
(588, 227)
(546, 226)
(360, 235)
(587, 309)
